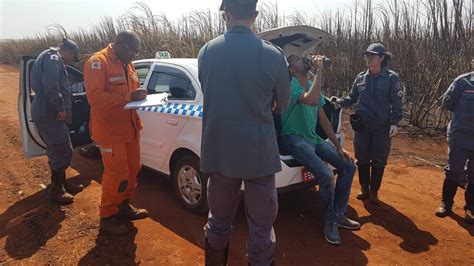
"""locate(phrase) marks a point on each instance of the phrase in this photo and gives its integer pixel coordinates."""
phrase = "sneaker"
(331, 234)
(444, 210)
(113, 226)
(127, 211)
(469, 218)
(344, 222)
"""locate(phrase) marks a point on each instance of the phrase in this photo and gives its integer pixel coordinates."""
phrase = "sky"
(25, 18)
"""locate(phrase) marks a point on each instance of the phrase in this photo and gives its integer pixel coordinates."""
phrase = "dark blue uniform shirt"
(459, 99)
(378, 98)
(50, 83)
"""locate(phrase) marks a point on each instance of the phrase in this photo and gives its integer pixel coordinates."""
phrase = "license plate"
(307, 175)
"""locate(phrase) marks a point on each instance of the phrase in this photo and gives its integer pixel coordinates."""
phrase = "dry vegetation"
(431, 41)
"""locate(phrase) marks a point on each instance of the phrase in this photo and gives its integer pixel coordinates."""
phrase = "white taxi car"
(171, 136)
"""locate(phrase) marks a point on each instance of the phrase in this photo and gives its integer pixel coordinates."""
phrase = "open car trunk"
(297, 40)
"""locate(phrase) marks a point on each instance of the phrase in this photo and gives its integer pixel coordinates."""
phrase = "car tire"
(91, 152)
(190, 184)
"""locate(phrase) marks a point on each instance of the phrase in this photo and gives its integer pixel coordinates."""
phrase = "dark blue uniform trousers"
(460, 165)
(372, 147)
(261, 207)
(58, 143)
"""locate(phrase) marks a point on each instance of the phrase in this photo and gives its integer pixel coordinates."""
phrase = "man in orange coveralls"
(111, 82)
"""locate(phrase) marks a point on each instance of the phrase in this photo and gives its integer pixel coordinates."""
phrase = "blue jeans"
(313, 156)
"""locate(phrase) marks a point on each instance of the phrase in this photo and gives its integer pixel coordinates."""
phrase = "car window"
(142, 72)
(172, 81)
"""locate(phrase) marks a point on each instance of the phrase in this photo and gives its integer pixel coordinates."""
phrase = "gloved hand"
(335, 101)
(393, 131)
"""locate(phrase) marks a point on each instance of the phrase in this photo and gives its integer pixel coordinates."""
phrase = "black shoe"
(374, 197)
(215, 257)
(444, 210)
(127, 211)
(57, 193)
(363, 193)
(72, 188)
(112, 225)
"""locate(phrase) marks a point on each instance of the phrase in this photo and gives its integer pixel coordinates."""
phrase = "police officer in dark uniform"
(377, 94)
(459, 99)
(242, 78)
(51, 112)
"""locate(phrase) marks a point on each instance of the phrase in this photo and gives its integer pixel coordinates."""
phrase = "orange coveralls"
(109, 84)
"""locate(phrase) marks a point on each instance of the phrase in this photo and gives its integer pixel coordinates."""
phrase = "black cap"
(72, 45)
(375, 48)
(230, 3)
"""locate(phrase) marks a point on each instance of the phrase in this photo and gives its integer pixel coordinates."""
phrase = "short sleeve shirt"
(301, 118)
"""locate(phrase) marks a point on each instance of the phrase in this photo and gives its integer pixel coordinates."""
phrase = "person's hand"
(139, 94)
(393, 131)
(62, 116)
(318, 61)
(343, 153)
(274, 105)
(335, 99)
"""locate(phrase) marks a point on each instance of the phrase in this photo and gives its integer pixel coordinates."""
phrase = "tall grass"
(431, 40)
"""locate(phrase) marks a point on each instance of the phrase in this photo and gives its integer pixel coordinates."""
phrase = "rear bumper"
(297, 186)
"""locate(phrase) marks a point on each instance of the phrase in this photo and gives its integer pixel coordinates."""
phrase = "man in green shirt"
(299, 138)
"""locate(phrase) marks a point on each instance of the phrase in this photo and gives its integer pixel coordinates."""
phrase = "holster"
(357, 123)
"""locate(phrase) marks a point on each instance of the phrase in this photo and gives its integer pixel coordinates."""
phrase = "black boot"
(449, 191)
(375, 183)
(129, 212)
(72, 188)
(364, 179)
(469, 208)
(216, 257)
(57, 192)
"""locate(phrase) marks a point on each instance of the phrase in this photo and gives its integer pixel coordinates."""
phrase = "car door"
(32, 142)
(142, 69)
(162, 124)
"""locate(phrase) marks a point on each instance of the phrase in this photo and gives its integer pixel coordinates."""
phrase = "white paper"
(151, 100)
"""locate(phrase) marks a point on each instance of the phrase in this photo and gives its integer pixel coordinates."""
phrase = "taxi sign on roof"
(162, 55)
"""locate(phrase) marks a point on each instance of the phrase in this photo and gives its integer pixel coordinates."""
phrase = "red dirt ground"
(402, 230)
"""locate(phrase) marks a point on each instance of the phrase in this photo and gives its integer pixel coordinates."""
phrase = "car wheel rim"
(189, 183)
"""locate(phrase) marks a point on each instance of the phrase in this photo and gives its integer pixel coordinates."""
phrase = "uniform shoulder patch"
(400, 94)
(96, 65)
(54, 57)
(447, 97)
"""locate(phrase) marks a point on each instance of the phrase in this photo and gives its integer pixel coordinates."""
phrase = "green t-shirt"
(301, 118)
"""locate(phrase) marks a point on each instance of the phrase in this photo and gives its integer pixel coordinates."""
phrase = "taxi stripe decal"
(191, 110)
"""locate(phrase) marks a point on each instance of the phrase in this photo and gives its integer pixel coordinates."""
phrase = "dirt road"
(402, 230)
